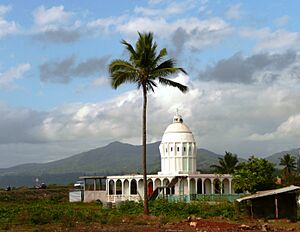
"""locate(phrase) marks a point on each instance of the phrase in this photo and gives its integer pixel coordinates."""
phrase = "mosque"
(178, 178)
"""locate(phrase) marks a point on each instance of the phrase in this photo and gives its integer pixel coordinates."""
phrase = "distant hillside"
(275, 158)
(115, 158)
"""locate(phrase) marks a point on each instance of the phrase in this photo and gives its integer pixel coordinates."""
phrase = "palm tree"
(289, 164)
(227, 165)
(144, 68)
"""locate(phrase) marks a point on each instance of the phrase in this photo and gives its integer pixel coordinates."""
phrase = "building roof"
(178, 131)
(291, 188)
(92, 177)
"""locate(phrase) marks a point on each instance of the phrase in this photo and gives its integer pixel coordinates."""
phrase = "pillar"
(229, 180)
(202, 185)
(212, 186)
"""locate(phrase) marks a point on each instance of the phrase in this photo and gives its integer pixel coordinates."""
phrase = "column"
(202, 185)
(189, 186)
(153, 184)
(107, 187)
(94, 184)
(212, 186)
(115, 187)
(229, 180)
(196, 187)
(122, 184)
(221, 186)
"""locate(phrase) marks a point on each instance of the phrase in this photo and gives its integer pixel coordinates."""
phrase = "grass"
(33, 208)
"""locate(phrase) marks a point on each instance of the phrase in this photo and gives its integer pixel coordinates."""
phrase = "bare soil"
(153, 224)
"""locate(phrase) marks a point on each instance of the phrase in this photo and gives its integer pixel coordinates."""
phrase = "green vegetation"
(254, 175)
(31, 208)
(227, 164)
(288, 172)
(145, 66)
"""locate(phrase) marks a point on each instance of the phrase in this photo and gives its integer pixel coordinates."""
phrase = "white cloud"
(4, 10)
(195, 33)
(286, 130)
(234, 12)
(6, 27)
(172, 8)
(54, 25)
(273, 41)
(282, 21)
(245, 119)
(55, 15)
(8, 78)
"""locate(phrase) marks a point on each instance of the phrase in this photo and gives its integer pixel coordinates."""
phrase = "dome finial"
(177, 117)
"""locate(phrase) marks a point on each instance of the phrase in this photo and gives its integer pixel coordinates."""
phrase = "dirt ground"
(152, 224)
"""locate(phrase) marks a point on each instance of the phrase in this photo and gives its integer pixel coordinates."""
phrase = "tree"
(254, 175)
(227, 165)
(289, 164)
(144, 68)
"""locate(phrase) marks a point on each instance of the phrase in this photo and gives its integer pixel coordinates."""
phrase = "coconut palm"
(226, 165)
(289, 164)
(145, 68)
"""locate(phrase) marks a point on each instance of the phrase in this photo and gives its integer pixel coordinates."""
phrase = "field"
(49, 210)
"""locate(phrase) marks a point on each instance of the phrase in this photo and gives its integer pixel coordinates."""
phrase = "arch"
(183, 187)
(226, 186)
(133, 187)
(192, 186)
(166, 182)
(150, 187)
(217, 186)
(207, 186)
(140, 187)
(157, 182)
(118, 187)
(199, 186)
(126, 187)
(111, 187)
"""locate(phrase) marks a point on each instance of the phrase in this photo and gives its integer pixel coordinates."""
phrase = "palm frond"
(122, 71)
(168, 82)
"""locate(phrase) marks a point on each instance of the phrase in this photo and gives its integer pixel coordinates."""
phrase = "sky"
(242, 60)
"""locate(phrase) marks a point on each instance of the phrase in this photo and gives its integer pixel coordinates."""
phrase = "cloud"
(234, 12)
(233, 115)
(188, 32)
(199, 34)
(246, 70)
(65, 70)
(6, 27)
(58, 36)
(52, 16)
(54, 25)
(287, 129)
(282, 21)
(272, 41)
(8, 78)
(172, 8)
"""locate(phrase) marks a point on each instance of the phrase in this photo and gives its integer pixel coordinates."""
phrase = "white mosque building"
(178, 178)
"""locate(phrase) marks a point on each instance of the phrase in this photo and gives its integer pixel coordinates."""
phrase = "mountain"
(114, 159)
(275, 158)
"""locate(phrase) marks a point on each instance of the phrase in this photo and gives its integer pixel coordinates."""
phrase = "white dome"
(178, 132)
(178, 149)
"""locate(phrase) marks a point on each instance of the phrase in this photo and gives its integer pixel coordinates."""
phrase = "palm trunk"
(144, 151)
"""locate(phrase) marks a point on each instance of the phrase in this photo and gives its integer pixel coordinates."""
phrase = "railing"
(201, 197)
(117, 198)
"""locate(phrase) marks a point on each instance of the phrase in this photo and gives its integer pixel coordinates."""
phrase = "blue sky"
(242, 59)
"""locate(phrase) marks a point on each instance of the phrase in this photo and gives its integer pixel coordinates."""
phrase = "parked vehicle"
(79, 184)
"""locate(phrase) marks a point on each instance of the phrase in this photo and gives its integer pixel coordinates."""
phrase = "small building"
(178, 177)
(273, 204)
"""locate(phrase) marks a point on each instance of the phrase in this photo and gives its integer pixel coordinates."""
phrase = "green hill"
(114, 159)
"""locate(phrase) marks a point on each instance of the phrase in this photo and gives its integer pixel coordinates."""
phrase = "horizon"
(138, 145)
(242, 60)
